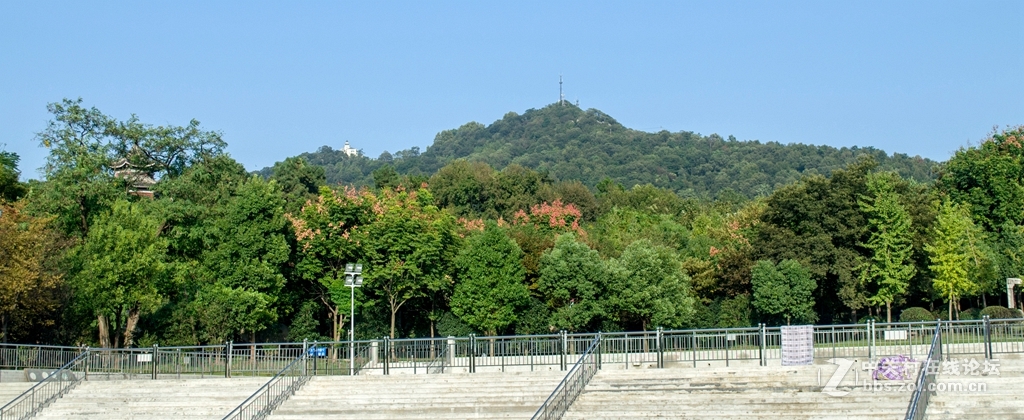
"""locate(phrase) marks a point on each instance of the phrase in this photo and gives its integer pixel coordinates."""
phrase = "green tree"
(79, 182)
(10, 188)
(573, 282)
(489, 288)
(246, 266)
(819, 221)
(649, 288)
(784, 290)
(890, 266)
(329, 231)
(954, 253)
(122, 262)
(299, 181)
(408, 246)
(989, 179)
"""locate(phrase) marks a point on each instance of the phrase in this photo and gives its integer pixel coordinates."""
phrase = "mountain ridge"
(569, 143)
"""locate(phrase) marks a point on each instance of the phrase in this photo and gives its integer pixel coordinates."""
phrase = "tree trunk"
(129, 328)
(395, 306)
(252, 347)
(950, 310)
(336, 332)
(432, 350)
(393, 312)
(888, 312)
(104, 327)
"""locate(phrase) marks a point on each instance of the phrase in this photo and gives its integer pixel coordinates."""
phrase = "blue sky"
(278, 79)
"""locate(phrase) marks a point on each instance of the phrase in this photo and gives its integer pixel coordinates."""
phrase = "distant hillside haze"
(568, 143)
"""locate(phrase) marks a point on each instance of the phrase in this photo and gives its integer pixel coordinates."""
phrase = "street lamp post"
(353, 279)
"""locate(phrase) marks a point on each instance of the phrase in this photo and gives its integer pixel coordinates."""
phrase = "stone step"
(490, 395)
(144, 399)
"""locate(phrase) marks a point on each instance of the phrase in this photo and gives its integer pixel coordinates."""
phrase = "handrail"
(438, 363)
(46, 391)
(925, 379)
(261, 403)
(572, 385)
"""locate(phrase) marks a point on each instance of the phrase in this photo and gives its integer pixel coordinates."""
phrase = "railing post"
(472, 353)
(314, 357)
(227, 360)
(565, 342)
(661, 350)
(387, 355)
(762, 346)
(451, 352)
(871, 339)
(599, 342)
(305, 351)
(156, 359)
(88, 355)
(693, 347)
(988, 337)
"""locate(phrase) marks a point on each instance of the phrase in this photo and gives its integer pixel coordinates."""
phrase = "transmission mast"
(561, 96)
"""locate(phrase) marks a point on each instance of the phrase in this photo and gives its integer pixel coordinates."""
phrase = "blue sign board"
(317, 352)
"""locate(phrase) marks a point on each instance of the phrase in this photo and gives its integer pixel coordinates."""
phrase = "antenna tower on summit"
(561, 96)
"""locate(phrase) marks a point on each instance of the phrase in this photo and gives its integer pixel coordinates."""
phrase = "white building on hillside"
(349, 151)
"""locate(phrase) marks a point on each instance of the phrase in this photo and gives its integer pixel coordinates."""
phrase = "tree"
(649, 288)
(954, 253)
(408, 247)
(245, 268)
(573, 281)
(299, 181)
(79, 181)
(329, 231)
(819, 221)
(122, 263)
(989, 179)
(25, 284)
(891, 264)
(784, 290)
(164, 150)
(489, 289)
(10, 188)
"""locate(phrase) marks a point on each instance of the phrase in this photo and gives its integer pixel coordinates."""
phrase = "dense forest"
(140, 234)
(569, 144)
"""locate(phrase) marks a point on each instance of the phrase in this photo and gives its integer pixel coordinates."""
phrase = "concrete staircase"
(991, 396)
(775, 392)
(11, 390)
(448, 396)
(153, 399)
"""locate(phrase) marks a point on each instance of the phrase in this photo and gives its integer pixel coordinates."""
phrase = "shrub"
(916, 314)
(999, 312)
(865, 319)
(970, 314)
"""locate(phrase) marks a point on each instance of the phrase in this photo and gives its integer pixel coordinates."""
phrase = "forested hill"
(569, 143)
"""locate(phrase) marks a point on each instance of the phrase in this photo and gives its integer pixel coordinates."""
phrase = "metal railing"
(572, 385)
(46, 391)
(660, 348)
(22, 356)
(926, 378)
(441, 360)
(270, 396)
